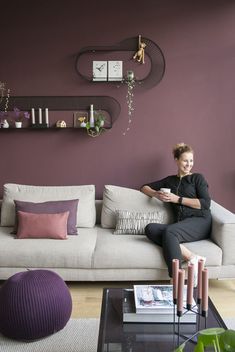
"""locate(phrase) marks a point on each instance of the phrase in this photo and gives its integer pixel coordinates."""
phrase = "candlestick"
(199, 280)
(33, 116)
(204, 292)
(180, 299)
(190, 285)
(46, 117)
(40, 115)
(175, 269)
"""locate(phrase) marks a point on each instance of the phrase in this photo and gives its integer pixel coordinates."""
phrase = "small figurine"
(139, 55)
(82, 121)
(61, 124)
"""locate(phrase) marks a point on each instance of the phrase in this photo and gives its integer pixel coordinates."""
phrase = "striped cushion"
(134, 222)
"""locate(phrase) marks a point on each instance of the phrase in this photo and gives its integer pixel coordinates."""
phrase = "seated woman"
(190, 202)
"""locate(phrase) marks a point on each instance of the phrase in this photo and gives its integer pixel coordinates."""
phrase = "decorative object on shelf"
(98, 127)
(130, 82)
(139, 55)
(115, 71)
(5, 124)
(61, 124)
(80, 118)
(40, 123)
(91, 118)
(100, 71)
(152, 50)
(3, 113)
(19, 115)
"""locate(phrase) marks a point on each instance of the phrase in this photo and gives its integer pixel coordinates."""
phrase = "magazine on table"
(155, 298)
(162, 316)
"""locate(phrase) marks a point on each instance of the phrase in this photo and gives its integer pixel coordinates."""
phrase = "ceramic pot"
(18, 124)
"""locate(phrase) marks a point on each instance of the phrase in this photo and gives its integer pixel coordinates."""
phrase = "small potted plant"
(98, 125)
(18, 116)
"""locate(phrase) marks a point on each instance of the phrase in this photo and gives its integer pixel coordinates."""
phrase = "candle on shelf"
(40, 115)
(47, 117)
(33, 116)
(175, 269)
(92, 120)
(199, 280)
(180, 299)
(204, 292)
(190, 286)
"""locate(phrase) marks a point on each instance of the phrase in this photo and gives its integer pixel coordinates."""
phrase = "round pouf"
(34, 304)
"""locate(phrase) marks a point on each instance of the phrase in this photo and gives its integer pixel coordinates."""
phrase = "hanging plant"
(130, 81)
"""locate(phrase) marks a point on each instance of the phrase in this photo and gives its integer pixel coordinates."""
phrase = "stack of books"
(153, 304)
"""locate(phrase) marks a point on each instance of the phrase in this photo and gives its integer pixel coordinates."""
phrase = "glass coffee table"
(116, 336)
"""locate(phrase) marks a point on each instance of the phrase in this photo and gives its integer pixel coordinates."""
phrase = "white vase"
(5, 124)
(18, 124)
(92, 120)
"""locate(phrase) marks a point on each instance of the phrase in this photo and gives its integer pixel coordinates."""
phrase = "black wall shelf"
(130, 44)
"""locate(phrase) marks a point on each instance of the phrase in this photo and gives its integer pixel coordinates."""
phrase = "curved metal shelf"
(152, 50)
(60, 103)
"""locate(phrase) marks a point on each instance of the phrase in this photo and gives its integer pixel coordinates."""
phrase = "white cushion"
(86, 212)
(134, 222)
(121, 198)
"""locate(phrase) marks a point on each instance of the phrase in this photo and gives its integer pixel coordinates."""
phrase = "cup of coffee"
(165, 190)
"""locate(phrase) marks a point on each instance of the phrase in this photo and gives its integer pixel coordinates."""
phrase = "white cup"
(165, 190)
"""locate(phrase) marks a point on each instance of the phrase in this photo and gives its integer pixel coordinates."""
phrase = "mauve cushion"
(32, 225)
(51, 207)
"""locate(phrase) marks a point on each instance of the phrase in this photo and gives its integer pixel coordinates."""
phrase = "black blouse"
(189, 186)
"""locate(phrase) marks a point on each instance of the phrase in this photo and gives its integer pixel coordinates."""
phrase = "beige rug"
(79, 335)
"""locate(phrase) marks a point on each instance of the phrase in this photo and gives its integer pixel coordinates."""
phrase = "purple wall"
(193, 103)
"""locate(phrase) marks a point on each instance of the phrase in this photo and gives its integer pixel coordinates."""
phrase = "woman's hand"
(168, 197)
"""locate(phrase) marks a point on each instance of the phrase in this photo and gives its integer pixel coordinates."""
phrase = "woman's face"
(185, 163)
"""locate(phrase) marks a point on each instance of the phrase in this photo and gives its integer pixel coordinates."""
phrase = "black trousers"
(170, 236)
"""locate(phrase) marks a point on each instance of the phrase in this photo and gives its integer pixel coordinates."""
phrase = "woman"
(190, 203)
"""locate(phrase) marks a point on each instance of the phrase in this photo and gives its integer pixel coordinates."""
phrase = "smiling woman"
(190, 202)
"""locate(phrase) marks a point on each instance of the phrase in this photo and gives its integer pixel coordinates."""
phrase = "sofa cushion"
(134, 222)
(76, 252)
(86, 214)
(42, 225)
(53, 207)
(122, 198)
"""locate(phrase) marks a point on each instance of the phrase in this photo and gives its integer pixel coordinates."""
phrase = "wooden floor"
(87, 297)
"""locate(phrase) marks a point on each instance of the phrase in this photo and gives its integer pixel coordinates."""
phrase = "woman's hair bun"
(181, 148)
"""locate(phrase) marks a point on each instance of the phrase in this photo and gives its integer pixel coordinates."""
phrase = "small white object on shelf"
(47, 117)
(92, 120)
(33, 116)
(40, 115)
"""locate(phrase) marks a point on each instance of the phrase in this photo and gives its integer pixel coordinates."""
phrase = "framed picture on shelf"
(80, 118)
(115, 71)
(100, 70)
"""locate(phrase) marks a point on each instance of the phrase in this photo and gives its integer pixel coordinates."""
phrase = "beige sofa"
(97, 254)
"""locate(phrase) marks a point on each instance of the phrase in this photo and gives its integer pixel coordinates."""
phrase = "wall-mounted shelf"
(64, 103)
(152, 50)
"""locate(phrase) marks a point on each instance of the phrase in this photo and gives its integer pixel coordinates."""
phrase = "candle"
(47, 117)
(190, 286)
(199, 280)
(40, 115)
(33, 116)
(175, 269)
(180, 299)
(204, 292)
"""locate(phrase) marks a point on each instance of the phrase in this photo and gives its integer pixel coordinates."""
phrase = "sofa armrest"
(223, 232)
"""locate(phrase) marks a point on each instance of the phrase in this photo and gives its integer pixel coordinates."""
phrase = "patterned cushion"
(34, 304)
(134, 222)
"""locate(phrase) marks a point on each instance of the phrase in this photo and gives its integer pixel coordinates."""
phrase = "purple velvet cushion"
(51, 207)
(34, 304)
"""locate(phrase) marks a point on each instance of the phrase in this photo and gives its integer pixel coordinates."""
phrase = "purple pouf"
(34, 304)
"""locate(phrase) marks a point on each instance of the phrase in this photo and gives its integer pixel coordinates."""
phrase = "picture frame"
(115, 70)
(80, 118)
(100, 71)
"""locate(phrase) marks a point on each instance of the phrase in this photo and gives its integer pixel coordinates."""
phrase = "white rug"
(79, 335)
